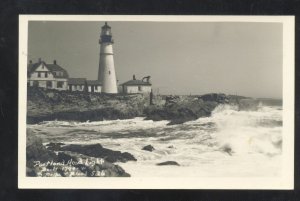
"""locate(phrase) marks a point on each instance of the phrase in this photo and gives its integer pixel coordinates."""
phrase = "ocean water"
(230, 143)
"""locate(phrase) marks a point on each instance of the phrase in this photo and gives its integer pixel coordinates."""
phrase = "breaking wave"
(249, 131)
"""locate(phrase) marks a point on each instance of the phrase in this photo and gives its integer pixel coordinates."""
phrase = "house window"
(39, 74)
(49, 84)
(108, 72)
(46, 74)
(54, 73)
(95, 88)
(60, 84)
(140, 88)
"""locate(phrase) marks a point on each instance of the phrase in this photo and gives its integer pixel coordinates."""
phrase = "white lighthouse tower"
(107, 73)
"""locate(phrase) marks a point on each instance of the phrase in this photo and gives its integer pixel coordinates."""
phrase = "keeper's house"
(45, 75)
(135, 86)
(53, 76)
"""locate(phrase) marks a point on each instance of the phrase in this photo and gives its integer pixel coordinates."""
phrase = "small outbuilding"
(136, 86)
(76, 84)
(94, 86)
(82, 84)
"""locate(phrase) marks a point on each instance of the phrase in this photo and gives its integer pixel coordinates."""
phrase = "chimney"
(40, 60)
(30, 61)
(133, 77)
(54, 62)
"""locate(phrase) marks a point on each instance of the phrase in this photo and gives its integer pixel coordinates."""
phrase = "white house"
(136, 86)
(45, 75)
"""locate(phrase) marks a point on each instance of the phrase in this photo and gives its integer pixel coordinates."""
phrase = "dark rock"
(168, 163)
(35, 151)
(54, 146)
(214, 97)
(59, 164)
(148, 148)
(65, 157)
(171, 147)
(105, 169)
(181, 109)
(96, 150)
(128, 157)
(172, 99)
(227, 149)
(111, 170)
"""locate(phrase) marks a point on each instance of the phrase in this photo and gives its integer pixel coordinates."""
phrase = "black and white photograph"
(193, 102)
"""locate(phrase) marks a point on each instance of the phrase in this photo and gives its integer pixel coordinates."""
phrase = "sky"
(183, 58)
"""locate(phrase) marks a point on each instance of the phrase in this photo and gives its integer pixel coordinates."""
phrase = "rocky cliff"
(179, 109)
(43, 104)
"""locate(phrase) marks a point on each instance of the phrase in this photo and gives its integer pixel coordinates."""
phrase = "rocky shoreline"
(51, 157)
(73, 160)
(57, 159)
(48, 105)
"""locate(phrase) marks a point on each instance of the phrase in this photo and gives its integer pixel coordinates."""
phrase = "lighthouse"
(107, 73)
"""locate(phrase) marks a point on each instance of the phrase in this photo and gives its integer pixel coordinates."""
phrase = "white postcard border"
(286, 181)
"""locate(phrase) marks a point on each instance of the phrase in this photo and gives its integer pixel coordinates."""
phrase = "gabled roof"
(31, 67)
(94, 82)
(77, 81)
(136, 83)
(51, 67)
